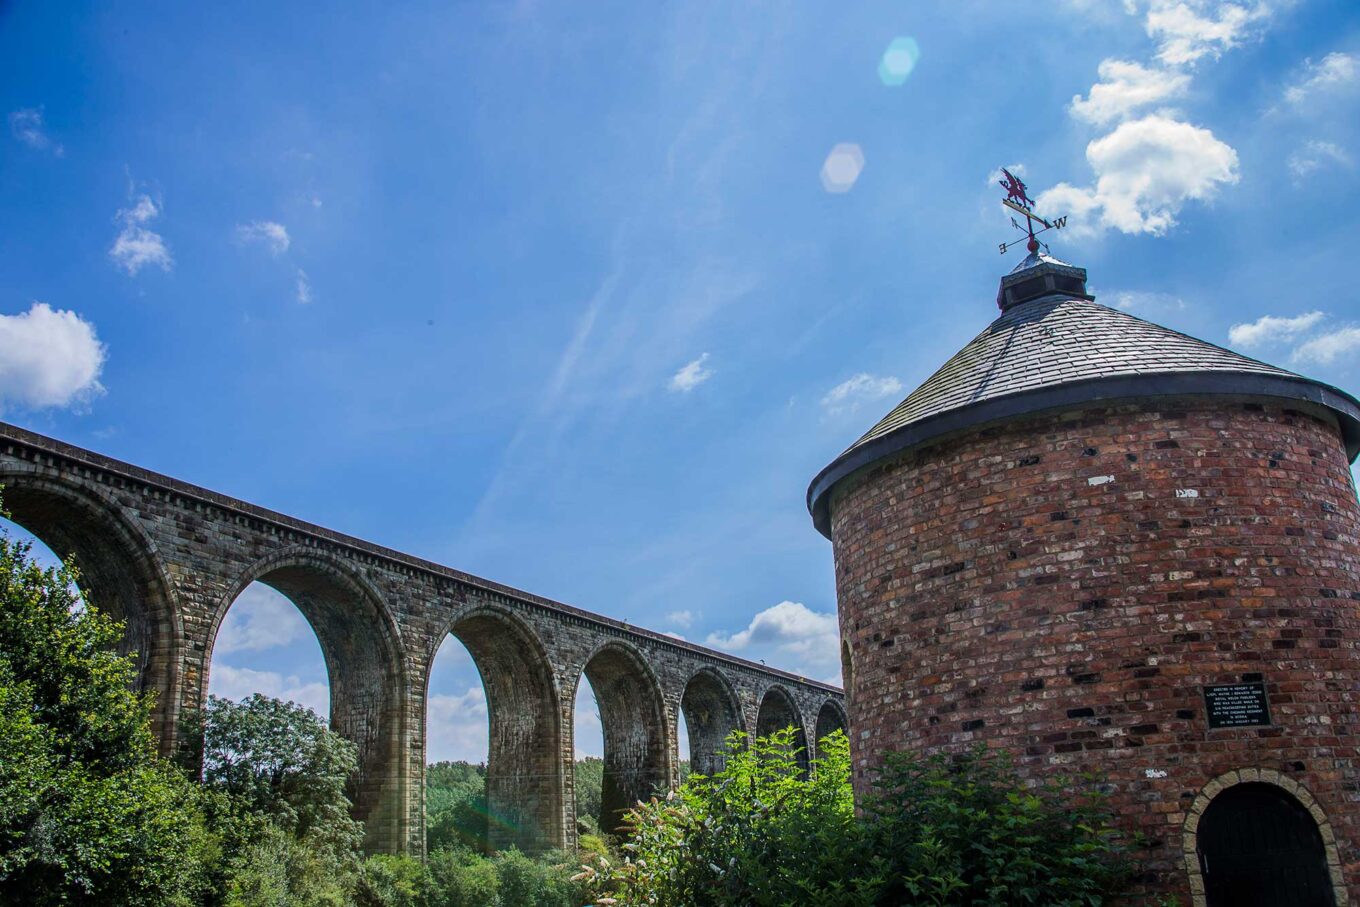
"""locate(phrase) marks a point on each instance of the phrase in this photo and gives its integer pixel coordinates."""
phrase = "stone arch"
(830, 718)
(778, 711)
(633, 715)
(120, 574)
(1256, 777)
(364, 664)
(523, 775)
(711, 711)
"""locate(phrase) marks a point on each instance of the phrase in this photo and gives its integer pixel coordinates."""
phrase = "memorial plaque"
(1236, 705)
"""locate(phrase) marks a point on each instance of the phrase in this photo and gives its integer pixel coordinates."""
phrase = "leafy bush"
(939, 831)
(964, 829)
(88, 813)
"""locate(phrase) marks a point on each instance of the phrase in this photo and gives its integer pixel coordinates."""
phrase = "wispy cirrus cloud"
(272, 235)
(28, 126)
(1336, 72)
(1315, 155)
(137, 245)
(691, 375)
(847, 396)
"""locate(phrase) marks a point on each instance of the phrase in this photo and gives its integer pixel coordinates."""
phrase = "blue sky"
(580, 298)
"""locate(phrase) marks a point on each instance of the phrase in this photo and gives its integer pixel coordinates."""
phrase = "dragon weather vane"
(1018, 200)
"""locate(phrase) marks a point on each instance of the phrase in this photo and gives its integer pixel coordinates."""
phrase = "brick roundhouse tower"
(1102, 544)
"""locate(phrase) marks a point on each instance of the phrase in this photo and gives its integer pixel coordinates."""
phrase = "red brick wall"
(1064, 586)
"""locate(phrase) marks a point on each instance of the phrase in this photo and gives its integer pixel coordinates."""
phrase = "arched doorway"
(636, 761)
(777, 711)
(1258, 846)
(710, 712)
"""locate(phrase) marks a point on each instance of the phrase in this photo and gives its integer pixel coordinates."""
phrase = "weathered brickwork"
(1064, 586)
(170, 558)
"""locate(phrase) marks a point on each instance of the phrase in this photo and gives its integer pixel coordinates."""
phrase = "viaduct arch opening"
(710, 712)
(367, 682)
(632, 713)
(778, 711)
(523, 774)
(830, 718)
(119, 575)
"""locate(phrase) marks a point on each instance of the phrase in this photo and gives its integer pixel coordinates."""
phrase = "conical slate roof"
(1061, 350)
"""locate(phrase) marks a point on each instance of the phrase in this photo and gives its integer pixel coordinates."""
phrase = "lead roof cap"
(1053, 346)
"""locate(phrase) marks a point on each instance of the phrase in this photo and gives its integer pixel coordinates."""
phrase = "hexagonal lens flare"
(842, 167)
(898, 61)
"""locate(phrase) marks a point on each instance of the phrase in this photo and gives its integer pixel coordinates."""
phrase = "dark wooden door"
(1258, 847)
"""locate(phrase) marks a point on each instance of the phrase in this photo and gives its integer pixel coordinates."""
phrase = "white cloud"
(789, 636)
(49, 357)
(1125, 87)
(28, 127)
(1271, 328)
(1146, 170)
(1187, 30)
(691, 375)
(1324, 349)
(304, 287)
(273, 235)
(682, 619)
(862, 388)
(1313, 156)
(456, 727)
(260, 618)
(237, 683)
(137, 245)
(1334, 72)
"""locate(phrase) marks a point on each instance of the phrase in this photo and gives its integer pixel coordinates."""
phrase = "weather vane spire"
(1018, 200)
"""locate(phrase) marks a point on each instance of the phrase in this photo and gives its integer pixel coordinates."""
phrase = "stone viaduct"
(169, 558)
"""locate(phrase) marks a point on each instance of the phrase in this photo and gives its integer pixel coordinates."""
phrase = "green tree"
(455, 806)
(88, 813)
(280, 762)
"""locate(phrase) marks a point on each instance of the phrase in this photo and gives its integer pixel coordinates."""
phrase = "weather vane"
(1018, 200)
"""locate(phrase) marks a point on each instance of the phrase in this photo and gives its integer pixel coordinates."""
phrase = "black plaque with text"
(1236, 705)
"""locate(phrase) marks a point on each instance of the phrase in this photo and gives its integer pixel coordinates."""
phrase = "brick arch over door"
(368, 686)
(120, 574)
(712, 711)
(778, 711)
(1191, 842)
(633, 715)
(523, 782)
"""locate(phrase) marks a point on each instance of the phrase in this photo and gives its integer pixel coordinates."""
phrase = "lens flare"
(898, 61)
(842, 167)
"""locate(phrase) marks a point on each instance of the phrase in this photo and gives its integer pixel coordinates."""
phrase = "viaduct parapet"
(169, 558)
